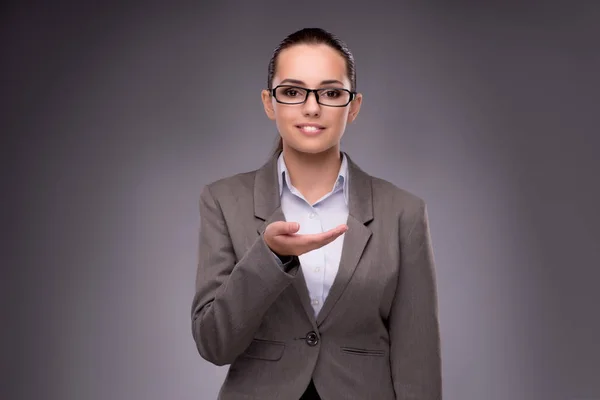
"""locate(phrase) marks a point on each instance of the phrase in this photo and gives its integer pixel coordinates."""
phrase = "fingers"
(282, 235)
(321, 239)
(336, 232)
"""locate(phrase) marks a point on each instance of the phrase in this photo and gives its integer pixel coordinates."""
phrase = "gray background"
(113, 118)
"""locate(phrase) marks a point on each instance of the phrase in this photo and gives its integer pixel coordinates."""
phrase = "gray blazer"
(377, 335)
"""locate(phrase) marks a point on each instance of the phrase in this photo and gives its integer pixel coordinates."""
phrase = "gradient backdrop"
(115, 117)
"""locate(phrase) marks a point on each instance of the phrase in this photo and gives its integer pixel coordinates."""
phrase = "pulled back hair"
(312, 36)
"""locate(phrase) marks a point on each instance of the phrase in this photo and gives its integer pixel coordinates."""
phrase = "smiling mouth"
(310, 129)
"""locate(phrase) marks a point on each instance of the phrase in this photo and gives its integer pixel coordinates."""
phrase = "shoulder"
(395, 196)
(387, 197)
(235, 186)
(394, 203)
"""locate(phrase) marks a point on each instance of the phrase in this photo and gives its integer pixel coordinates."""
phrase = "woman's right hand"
(282, 239)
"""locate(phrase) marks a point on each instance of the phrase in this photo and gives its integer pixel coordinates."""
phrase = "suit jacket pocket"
(264, 350)
(362, 352)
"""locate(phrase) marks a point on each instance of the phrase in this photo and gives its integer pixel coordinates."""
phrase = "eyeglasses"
(331, 97)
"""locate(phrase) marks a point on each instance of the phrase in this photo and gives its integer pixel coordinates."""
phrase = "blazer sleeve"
(414, 327)
(231, 298)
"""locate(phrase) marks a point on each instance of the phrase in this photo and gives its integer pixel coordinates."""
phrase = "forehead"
(311, 64)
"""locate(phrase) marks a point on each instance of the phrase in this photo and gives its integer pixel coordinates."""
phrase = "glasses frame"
(308, 92)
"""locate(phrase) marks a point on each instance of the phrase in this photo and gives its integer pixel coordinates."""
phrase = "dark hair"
(312, 36)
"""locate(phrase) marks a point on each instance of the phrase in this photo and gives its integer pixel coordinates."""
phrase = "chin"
(313, 145)
(311, 148)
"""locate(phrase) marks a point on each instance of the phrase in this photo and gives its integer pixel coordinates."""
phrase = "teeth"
(310, 128)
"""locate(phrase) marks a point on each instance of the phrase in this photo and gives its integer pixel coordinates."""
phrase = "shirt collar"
(342, 180)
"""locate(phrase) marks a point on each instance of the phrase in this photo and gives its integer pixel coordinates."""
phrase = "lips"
(310, 129)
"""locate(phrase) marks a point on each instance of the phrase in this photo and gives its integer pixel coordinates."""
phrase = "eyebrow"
(297, 82)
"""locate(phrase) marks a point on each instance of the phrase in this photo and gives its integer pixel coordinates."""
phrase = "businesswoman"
(316, 280)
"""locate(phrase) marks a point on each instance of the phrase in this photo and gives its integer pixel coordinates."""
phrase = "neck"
(313, 174)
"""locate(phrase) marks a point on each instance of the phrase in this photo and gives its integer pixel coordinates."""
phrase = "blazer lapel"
(360, 204)
(267, 207)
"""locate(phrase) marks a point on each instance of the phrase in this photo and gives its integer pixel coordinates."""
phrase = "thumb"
(292, 227)
(283, 228)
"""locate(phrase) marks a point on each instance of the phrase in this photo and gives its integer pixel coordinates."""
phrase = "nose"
(311, 107)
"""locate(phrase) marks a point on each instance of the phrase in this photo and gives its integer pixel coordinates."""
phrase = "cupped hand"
(282, 239)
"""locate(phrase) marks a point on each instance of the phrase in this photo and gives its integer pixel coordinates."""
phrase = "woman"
(315, 279)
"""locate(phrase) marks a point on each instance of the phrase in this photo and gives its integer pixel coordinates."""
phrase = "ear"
(267, 100)
(355, 107)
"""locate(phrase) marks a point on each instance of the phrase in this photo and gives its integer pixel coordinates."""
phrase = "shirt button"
(315, 302)
(317, 269)
(312, 215)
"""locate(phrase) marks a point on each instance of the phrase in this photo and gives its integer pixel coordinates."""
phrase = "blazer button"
(312, 339)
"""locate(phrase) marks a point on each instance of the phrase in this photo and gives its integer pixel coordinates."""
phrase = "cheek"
(282, 120)
(284, 114)
(340, 116)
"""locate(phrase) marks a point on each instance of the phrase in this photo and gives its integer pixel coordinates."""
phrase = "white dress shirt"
(319, 266)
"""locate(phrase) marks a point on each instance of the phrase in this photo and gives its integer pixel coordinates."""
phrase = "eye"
(332, 93)
(291, 92)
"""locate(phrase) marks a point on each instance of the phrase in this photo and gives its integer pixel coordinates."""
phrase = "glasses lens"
(334, 97)
(290, 94)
